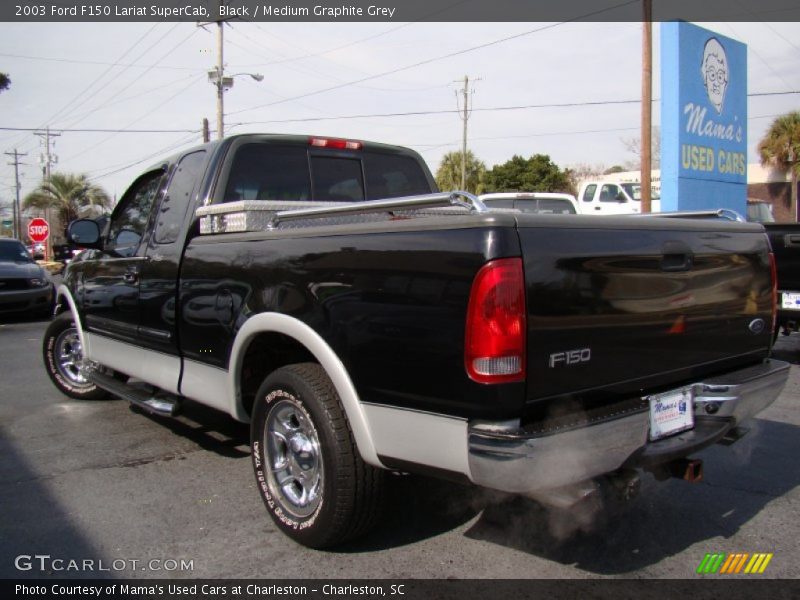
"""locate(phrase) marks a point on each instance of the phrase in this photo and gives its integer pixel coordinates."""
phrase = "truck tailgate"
(621, 305)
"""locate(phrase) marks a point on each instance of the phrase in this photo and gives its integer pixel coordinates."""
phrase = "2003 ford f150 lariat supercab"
(361, 321)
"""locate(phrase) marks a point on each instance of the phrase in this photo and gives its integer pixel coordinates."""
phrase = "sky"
(348, 80)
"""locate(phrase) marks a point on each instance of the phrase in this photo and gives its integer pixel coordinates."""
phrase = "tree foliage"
(535, 174)
(5, 81)
(448, 175)
(68, 194)
(780, 148)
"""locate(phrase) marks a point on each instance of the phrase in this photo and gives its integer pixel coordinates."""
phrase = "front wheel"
(63, 359)
(308, 470)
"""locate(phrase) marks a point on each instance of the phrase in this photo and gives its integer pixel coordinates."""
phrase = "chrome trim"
(721, 213)
(742, 394)
(258, 215)
(519, 462)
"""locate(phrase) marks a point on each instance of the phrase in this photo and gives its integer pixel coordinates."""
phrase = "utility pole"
(48, 158)
(220, 85)
(647, 104)
(464, 117)
(206, 132)
(17, 230)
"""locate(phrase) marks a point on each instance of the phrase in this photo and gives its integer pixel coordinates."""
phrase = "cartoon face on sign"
(714, 70)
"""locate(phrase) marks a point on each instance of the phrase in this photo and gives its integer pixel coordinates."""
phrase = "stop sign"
(38, 230)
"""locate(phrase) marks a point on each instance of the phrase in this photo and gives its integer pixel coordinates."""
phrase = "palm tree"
(780, 148)
(69, 194)
(448, 175)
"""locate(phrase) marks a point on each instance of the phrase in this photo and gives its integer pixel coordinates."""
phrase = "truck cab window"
(337, 179)
(268, 172)
(129, 221)
(611, 193)
(393, 176)
(588, 194)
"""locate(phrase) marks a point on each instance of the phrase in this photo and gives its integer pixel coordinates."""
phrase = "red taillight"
(334, 143)
(494, 350)
(773, 270)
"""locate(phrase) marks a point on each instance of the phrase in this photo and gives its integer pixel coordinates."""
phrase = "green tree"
(780, 148)
(5, 81)
(68, 194)
(448, 175)
(535, 174)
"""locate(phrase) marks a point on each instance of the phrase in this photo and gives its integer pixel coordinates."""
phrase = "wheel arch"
(63, 294)
(310, 342)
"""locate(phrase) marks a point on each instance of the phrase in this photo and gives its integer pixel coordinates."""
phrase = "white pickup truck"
(613, 198)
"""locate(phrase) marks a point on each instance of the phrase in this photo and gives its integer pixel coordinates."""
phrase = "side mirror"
(84, 233)
(621, 198)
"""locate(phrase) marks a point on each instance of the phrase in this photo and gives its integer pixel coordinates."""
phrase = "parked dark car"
(25, 287)
(785, 241)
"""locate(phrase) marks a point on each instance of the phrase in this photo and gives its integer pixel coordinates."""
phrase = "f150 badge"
(570, 358)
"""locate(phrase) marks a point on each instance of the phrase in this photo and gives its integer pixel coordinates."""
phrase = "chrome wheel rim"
(69, 357)
(293, 457)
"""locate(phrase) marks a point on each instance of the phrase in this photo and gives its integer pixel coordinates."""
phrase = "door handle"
(598, 207)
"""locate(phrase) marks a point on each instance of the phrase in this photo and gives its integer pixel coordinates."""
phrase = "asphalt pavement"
(143, 496)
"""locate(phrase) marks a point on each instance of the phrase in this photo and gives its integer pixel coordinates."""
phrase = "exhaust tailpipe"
(688, 469)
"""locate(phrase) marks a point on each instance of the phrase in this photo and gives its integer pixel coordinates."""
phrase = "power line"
(375, 115)
(90, 130)
(147, 114)
(442, 57)
(484, 109)
(86, 90)
(95, 62)
(150, 156)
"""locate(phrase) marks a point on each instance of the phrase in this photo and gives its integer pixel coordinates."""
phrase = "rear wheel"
(313, 482)
(63, 359)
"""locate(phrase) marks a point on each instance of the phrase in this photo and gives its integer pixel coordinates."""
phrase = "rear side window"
(269, 172)
(337, 179)
(393, 176)
(588, 193)
(178, 197)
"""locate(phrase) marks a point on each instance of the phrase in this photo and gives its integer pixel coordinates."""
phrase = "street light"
(217, 77)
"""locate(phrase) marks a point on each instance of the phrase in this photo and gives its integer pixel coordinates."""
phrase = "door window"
(588, 194)
(611, 193)
(129, 221)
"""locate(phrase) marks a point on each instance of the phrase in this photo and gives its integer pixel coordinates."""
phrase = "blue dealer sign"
(703, 120)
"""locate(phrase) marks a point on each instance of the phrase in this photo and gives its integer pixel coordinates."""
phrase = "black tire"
(300, 435)
(61, 351)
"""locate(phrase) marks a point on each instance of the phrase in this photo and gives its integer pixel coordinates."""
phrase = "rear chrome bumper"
(515, 461)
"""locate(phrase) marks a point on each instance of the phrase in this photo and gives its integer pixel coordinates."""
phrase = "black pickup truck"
(324, 291)
(785, 241)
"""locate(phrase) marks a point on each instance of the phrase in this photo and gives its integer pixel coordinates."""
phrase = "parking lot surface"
(156, 497)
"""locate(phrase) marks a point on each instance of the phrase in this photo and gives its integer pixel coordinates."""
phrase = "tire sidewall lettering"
(260, 463)
(52, 369)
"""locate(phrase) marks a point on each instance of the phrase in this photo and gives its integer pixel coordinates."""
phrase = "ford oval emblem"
(756, 326)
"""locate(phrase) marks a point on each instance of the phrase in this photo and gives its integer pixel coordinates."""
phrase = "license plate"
(790, 301)
(671, 412)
